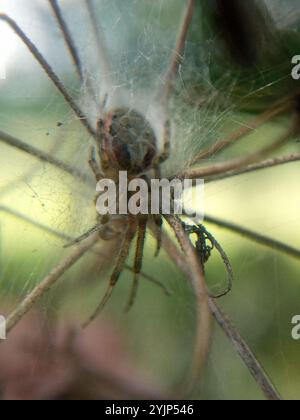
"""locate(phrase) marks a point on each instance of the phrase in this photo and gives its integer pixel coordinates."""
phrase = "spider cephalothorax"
(129, 141)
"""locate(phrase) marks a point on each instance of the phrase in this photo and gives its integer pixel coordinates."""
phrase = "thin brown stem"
(45, 285)
(238, 342)
(254, 236)
(244, 351)
(239, 163)
(42, 156)
(177, 55)
(204, 330)
(50, 72)
(270, 163)
(278, 109)
(67, 36)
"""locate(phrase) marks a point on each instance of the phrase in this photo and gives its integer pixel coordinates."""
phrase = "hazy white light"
(12, 51)
(8, 46)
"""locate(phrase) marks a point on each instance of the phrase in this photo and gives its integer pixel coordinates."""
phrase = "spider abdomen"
(130, 141)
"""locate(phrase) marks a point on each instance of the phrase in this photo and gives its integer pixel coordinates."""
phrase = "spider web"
(140, 37)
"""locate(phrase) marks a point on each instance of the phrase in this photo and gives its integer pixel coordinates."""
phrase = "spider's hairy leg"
(278, 109)
(67, 36)
(141, 237)
(100, 38)
(177, 55)
(120, 265)
(243, 162)
(49, 72)
(42, 156)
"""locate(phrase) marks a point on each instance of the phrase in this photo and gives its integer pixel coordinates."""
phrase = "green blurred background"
(159, 331)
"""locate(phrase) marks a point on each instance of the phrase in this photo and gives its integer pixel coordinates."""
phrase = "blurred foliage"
(248, 55)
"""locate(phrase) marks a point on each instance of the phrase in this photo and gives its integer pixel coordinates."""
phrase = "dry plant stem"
(42, 156)
(270, 163)
(177, 56)
(49, 71)
(239, 163)
(278, 109)
(229, 329)
(204, 330)
(255, 237)
(67, 238)
(25, 306)
(67, 36)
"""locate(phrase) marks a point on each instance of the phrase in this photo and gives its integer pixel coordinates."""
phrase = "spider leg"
(120, 265)
(161, 158)
(101, 145)
(49, 71)
(138, 261)
(100, 39)
(177, 56)
(84, 236)
(42, 156)
(67, 36)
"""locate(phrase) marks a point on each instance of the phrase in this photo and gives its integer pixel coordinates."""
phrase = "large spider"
(124, 139)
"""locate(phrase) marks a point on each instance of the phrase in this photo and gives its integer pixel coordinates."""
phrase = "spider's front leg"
(94, 165)
(141, 237)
